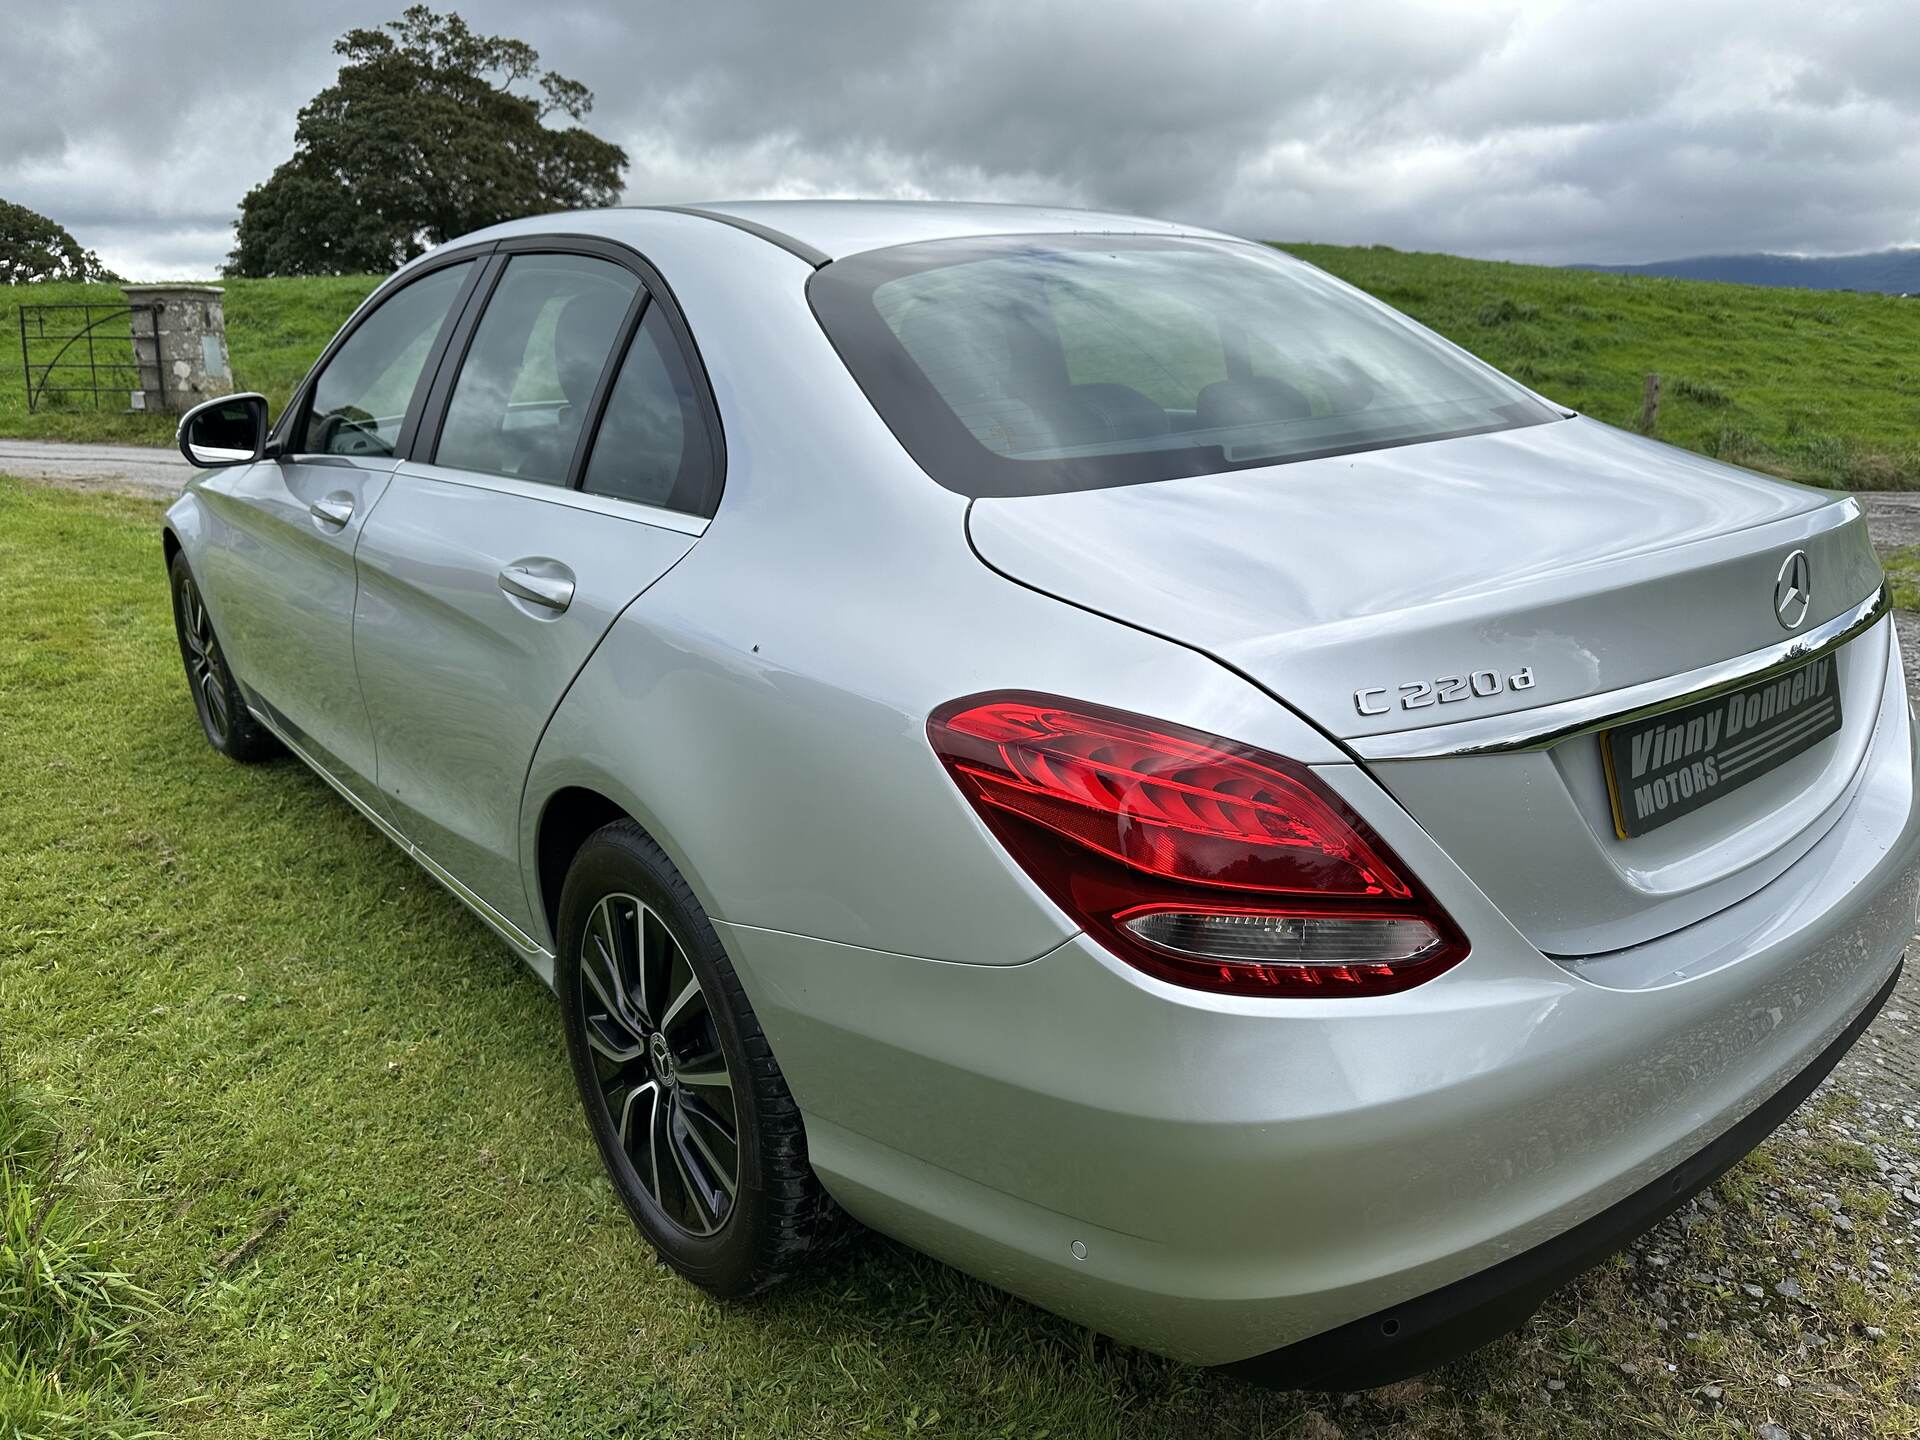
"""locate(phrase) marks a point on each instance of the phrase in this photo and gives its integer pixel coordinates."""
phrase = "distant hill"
(1892, 272)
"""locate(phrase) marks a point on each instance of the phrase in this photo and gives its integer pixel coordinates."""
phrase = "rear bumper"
(1218, 1178)
(1445, 1324)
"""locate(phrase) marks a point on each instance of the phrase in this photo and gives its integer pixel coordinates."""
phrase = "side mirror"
(229, 431)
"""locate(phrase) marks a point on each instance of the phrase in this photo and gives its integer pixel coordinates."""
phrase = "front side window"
(528, 379)
(361, 399)
(653, 446)
(1023, 365)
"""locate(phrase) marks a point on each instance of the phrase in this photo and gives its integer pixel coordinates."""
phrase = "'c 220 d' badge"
(1446, 690)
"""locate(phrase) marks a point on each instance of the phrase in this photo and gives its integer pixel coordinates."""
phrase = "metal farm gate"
(91, 351)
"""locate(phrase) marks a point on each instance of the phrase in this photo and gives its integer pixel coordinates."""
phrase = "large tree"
(32, 247)
(425, 134)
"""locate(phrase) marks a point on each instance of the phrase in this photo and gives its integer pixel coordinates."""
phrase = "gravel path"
(1893, 516)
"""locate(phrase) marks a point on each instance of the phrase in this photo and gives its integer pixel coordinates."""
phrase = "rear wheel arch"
(570, 815)
(565, 800)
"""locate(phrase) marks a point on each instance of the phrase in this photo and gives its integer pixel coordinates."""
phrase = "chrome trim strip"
(1550, 724)
(529, 949)
(611, 506)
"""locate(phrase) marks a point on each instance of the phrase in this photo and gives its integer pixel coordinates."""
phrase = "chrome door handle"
(553, 590)
(335, 510)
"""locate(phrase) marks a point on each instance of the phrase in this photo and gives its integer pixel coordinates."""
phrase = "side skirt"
(524, 945)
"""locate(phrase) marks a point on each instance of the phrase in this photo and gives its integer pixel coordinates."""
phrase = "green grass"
(1812, 385)
(275, 330)
(324, 1121)
(69, 1315)
(1815, 386)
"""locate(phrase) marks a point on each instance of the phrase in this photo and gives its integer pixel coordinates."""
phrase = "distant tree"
(420, 138)
(32, 247)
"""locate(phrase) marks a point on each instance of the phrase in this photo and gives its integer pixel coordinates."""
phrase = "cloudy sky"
(1624, 130)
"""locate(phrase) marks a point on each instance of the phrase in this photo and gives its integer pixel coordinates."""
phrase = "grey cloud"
(1633, 130)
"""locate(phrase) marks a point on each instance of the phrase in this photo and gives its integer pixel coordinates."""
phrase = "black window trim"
(602, 399)
(797, 248)
(433, 409)
(653, 290)
(603, 387)
(293, 419)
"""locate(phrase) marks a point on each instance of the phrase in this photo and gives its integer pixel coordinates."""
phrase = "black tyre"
(230, 727)
(689, 1108)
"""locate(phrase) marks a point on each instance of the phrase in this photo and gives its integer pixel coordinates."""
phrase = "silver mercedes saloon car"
(1084, 744)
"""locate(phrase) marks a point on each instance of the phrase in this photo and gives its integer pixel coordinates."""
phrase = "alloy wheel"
(206, 670)
(662, 1074)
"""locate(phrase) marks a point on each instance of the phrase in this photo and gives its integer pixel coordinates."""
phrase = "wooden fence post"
(1650, 405)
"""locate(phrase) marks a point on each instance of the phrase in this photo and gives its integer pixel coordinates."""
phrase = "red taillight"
(1198, 860)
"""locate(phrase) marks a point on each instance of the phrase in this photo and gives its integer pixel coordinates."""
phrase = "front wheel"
(693, 1118)
(229, 726)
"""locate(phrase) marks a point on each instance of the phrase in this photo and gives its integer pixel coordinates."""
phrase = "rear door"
(279, 565)
(503, 551)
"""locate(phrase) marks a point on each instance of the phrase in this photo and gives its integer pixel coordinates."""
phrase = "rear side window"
(653, 446)
(524, 389)
(360, 400)
(1024, 365)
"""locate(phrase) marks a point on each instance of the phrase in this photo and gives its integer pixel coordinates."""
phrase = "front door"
(285, 529)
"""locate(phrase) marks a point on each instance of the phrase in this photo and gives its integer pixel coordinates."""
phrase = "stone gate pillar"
(179, 345)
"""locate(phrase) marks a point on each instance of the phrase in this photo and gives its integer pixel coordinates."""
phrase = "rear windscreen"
(1028, 365)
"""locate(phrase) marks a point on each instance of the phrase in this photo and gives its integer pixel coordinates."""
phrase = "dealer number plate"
(1671, 765)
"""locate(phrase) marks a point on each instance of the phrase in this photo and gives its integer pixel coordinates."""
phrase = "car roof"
(821, 231)
(832, 229)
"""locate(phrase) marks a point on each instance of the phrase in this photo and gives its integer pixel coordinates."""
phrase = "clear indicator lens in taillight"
(1194, 858)
(1325, 940)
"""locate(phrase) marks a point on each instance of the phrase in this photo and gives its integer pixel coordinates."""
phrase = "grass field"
(1816, 386)
(319, 1168)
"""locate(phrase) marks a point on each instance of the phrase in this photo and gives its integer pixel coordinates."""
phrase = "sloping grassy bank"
(1817, 386)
